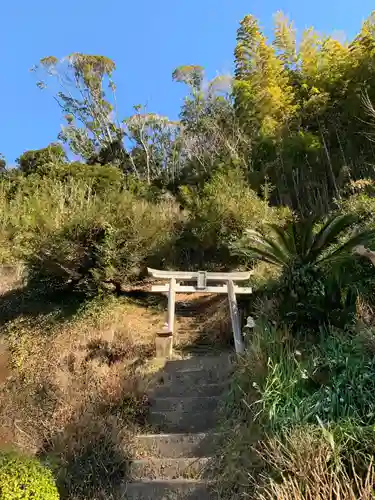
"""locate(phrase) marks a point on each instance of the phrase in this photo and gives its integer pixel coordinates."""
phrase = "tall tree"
(154, 145)
(264, 97)
(91, 118)
(210, 129)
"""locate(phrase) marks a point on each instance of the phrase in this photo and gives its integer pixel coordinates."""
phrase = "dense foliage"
(303, 104)
(23, 478)
(291, 128)
(270, 169)
(314, 287)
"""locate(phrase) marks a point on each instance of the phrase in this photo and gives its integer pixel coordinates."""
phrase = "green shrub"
(32, 207)
(362, 272)
(218, 215)
(310, 298)
(361, 200)
(106, 241)
(41, 161)
(23, 478)
(83, 231)
(101, 178)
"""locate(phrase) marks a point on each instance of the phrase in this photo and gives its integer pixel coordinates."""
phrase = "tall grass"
(303, 414)
(304, 381)
(305, 467)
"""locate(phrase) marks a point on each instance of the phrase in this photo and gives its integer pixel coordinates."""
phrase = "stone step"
(171, 389)
(193, 377)
(167, 468)
(184, 422)
(169, 490)
(197, 363)
(199, 348)
(175, 445)
(185, 404)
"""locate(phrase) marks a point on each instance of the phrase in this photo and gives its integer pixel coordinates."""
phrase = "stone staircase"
(172, 461)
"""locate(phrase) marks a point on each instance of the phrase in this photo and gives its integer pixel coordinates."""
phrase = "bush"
(25, 478)
(310, 298)
(101, 178)
(33, 207)
(362, 272)
(83, 229)
(41, 160)
(219, 214)
(105, 241)
(360, 198)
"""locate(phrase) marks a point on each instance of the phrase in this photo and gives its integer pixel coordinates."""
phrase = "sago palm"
(300, 243)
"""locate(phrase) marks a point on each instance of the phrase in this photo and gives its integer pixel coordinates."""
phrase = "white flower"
(298, 353)
(304, 374)
(250, 322)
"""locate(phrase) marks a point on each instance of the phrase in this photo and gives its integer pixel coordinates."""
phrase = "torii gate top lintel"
(202, 277)
(193, 275)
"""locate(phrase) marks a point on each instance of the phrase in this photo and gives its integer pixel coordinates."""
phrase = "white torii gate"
(202, 277)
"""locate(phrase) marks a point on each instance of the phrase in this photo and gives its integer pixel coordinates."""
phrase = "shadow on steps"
(204, 324)
(174, 461)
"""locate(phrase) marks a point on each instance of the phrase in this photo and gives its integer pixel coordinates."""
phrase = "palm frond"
(262, 254)
(330, 232)
(345, 248)
(297, 240)
(268, 245)
(261, 247)
(286, 238)
(305, 235)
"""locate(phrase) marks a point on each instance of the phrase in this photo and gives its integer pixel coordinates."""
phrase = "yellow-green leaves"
(285, 39)
(263, 91)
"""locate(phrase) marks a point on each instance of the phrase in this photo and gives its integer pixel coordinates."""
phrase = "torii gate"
(202, 277)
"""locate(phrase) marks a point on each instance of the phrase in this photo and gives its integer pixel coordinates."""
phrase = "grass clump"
(303, 414)
(306, 464)
(327, 380)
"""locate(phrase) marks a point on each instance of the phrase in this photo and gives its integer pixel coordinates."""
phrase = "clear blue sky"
(146, 38)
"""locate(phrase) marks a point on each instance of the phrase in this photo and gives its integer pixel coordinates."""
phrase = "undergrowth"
(302, 419)
(79, 405)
